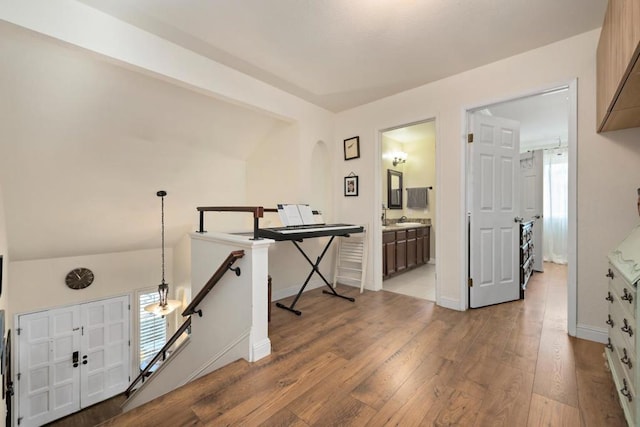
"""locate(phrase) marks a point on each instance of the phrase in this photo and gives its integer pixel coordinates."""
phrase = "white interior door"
(48, 381)
(531, 200)
(50, 384)
(493, 182)
(105, 350)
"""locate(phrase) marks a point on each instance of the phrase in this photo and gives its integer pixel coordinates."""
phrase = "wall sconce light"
(399, 157)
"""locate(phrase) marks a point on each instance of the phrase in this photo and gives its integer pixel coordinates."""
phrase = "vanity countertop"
(405, 225)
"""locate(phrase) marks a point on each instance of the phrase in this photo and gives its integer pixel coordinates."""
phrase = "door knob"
(74, 358)
(518, 219)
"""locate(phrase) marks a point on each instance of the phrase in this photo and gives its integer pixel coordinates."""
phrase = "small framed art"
(351, 185)
(352, 148)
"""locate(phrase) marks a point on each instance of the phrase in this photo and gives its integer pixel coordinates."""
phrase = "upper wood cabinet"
(618, 67)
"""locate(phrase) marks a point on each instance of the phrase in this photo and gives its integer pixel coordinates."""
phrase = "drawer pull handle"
(625, 390)
(610, 274)
(626, 328)
(608, 344)
(627, 296)
(609, 321)
(609, 297)
(625, 359)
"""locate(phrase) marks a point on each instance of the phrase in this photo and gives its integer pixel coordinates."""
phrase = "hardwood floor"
(389, 359)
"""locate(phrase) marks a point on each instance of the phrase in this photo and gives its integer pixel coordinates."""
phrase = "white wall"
(607, 163)
(40, 284)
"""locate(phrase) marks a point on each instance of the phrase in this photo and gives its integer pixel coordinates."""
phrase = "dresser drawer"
(625, 356)
(627, 292)
(621, 324)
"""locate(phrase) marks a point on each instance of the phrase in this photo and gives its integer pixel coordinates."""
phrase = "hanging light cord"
(162, 194)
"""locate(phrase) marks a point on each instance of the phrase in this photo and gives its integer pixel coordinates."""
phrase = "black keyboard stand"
(314, 269)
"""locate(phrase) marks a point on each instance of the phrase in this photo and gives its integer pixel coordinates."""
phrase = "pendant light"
(165, 305)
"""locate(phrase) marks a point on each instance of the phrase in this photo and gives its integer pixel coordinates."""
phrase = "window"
(153, 329)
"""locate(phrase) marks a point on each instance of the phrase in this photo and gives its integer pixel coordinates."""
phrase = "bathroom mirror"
(394, 189)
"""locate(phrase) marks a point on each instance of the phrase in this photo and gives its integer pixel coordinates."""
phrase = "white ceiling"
(343, 53)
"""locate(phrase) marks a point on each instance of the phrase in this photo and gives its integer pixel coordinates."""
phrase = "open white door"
(495, 205)
(531, 200)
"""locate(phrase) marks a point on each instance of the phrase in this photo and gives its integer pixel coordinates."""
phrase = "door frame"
(572, 246)
(376, 228)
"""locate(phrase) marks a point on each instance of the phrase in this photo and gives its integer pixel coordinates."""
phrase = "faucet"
(402, 218)
(384, 215)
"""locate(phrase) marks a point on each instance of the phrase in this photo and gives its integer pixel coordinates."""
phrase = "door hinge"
(19, 375)
(470, 138)
(470, 282)
(19, 330)
(129, 307)
(129, 343)
(20, 420)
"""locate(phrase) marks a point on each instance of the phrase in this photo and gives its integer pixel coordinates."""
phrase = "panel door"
(105, 349)
(48, 381)
(493, 182)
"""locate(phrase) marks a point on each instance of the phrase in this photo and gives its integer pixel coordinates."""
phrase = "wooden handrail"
(162, 353)
(226, 265)
(191, 308)
(257, 211)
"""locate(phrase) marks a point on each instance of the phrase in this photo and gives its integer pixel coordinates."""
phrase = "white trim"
(260, 350)
(572, 279)
(376, 240)
(572, 301)
(587, 332)
(449, 303)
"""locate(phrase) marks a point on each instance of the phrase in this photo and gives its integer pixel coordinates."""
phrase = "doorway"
(408, 194)
(70, 358)
(547, 142)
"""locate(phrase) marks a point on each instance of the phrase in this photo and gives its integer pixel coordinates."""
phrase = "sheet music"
(291, 215)
(306, 214)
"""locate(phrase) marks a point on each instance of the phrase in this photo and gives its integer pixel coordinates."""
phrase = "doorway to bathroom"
(408, 194)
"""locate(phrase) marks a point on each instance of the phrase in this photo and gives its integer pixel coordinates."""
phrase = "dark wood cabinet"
(388, 253)
(404, 249)
(401, 250)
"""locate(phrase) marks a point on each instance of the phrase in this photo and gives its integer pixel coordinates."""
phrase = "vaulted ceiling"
(343, 53)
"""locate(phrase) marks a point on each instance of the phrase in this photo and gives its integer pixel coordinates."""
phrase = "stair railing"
(191, 309)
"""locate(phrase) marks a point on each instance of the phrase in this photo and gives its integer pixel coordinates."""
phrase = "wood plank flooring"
(389, 359)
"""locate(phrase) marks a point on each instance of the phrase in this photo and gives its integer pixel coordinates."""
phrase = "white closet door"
(48, 380)
(105, 349)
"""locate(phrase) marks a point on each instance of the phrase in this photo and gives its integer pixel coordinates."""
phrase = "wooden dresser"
(622, 322)
(526, 254)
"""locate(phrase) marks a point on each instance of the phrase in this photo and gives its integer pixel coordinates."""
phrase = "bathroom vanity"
(404, 246)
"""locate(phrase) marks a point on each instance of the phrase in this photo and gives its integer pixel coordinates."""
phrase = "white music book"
(292, 215)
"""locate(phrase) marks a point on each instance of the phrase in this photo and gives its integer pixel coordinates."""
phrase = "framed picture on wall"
(352, 148)
(351, 185)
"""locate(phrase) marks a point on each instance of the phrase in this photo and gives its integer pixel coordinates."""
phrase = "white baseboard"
(278, 294)
(260, 349)
(452, 304)
(432, 261)
(591, 333)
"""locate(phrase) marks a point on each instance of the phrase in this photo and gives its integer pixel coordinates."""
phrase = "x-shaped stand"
(314, 269)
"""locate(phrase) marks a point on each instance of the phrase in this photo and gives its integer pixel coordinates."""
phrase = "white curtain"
(556, 201)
